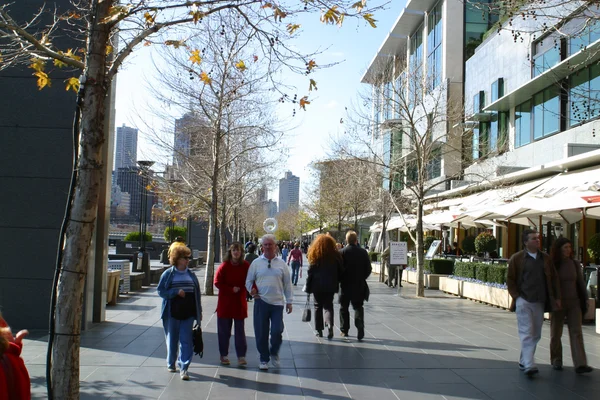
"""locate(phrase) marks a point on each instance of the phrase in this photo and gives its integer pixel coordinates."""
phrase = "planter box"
(431, 281)
(476, 291)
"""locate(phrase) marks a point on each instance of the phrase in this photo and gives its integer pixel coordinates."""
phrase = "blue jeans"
(295, 270)
(179, 332)
(265, 314)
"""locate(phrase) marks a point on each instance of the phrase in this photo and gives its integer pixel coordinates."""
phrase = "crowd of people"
(267, 280)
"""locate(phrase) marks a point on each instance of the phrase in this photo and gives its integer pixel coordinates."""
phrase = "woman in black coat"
(324, 273)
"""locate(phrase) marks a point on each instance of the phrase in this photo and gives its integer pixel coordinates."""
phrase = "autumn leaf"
(369, 18)
(116, 12)
(359, 5)
(70, 54)
(241, 65)
(72, 84)
(292, 28)
(43, 79)
(311, 65)
(37, 64)
(147, 43)
(304, 102)
(59, 64)
(312, 85)
(197, 15)
(331, 16)
(109, 49)
(255, 58)
(175, 43)
(267, 5)
(195, 57)
(150, 19)
(205, 78)
(279, 14)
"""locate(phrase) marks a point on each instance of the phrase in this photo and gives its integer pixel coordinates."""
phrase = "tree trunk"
(209, 275)
(223, 227)
(420, 256)
(80, 227)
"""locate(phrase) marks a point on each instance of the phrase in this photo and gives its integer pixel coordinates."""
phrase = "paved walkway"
(441, 347)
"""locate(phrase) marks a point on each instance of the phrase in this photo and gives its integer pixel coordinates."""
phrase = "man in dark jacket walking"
(357, 268)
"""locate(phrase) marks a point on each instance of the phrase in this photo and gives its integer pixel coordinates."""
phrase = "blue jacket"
(167, 293)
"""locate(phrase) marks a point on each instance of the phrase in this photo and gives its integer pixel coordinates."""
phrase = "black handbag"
(307, 312)
(197, 340)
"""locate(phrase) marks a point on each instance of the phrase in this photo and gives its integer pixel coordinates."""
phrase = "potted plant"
(468, 245)
(485, 243)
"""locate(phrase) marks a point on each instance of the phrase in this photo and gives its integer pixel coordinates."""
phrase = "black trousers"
(323, 302)
(359, 314)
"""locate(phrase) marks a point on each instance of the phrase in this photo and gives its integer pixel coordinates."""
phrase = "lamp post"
(143, 257)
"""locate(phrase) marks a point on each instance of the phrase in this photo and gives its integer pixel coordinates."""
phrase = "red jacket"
(230, 304)
(14, 379)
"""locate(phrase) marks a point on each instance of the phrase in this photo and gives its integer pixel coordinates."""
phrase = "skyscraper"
(289, 192)
(126, 147)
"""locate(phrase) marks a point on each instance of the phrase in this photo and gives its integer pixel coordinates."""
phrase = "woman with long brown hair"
(574, 305)
(324, 274)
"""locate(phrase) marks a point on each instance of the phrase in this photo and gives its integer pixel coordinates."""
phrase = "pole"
(141, 208)
(583, 227)
(507, 255)
(458, 240)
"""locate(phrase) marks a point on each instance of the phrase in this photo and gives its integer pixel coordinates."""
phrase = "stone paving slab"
(440, 347)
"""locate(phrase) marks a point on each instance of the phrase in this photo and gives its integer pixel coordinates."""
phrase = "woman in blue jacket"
(180, 291)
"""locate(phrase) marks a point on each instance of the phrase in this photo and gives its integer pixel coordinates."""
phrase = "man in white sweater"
(268, 281)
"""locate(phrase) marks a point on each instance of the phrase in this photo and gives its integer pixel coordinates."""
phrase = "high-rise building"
(181, 145)
(126, 147)
(130, 181)
(270, 208)
(289, 192)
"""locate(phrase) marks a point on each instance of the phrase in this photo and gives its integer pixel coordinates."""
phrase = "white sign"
(433, 248)
(398, 252)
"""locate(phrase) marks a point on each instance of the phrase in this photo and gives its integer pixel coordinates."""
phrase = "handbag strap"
(307, 305)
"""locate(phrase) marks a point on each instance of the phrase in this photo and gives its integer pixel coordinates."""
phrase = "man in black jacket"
(357, 268)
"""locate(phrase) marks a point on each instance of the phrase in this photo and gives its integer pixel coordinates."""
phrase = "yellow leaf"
(149, 18)
(312, 85)
(109, 49)
(241, 65)
(195, 57)
(279, 14)
(292, 28)
(331, 16)
(175, 43)
(37, 64)
(72, 84)
(369, 18)
(43, 79)
(59, 64)
(359, 5)
(197, 15)
(311, 65)
(70, 54)
(304, 102)
(205, 78)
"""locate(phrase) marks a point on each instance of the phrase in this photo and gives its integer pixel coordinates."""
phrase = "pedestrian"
(232, 306)
(573, 297)
(392, 271)
(533, 285)
(14, 378)
(295, 258)
(324, 272)
(269, 282)
(357, 268)
(181, 305)
(284, 252)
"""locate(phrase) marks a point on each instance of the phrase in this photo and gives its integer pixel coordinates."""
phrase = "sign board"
(433, 249)
(398, 252)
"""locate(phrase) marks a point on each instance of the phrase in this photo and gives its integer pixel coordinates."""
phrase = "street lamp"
(143, 257)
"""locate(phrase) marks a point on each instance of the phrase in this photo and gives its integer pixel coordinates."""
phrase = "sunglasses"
(187, 258)
(269, 264)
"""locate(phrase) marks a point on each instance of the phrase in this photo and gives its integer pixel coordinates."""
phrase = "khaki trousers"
(557, 321)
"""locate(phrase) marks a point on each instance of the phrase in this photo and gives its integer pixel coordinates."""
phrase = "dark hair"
(556, 251)
(525, 235)
(251, 248)
(229, 255)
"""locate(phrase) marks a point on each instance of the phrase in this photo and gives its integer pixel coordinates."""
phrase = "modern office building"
(270, 208)
(35, 169)
(289, 192)
(132, 182)
(126, 147)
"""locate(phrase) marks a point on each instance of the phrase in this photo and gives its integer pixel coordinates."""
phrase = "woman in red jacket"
(14, 379)
(232, 307)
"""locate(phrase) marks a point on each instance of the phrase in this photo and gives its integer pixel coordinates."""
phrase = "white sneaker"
(263, 366)
(275, 361)
(185, 376)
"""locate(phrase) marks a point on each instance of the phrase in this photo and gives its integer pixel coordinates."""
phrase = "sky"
(353, 46)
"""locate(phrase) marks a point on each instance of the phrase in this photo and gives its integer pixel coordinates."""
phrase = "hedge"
(439, 266)
(373, 255)
(483, 272)
(135, 237)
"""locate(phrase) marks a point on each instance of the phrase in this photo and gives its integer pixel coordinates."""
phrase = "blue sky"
(354, 45)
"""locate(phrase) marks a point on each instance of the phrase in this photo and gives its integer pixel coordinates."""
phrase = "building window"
(498, 130)
(387, 101)
(478, 20)
(580, 40)
(434, 164)
(434, 45)
(399, 93)
(546, 112)
(416, 54)
(523, 124)
(584, 95)
(547, 53)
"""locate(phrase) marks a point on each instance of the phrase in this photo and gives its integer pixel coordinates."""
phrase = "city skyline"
(126, 143)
